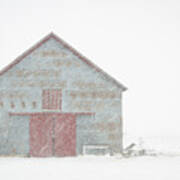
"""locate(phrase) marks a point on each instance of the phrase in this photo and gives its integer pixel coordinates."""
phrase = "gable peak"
(66, 45)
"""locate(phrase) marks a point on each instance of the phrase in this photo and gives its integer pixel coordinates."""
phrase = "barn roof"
(66, 45)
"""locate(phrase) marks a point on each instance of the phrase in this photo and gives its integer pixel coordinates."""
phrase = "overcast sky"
(135, 41)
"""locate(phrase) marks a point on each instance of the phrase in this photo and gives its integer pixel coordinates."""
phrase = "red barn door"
(65, 135)
(41, 136)
(52, 135)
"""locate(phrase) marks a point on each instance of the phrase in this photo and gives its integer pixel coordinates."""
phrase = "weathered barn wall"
(82, 89)
(15, 136)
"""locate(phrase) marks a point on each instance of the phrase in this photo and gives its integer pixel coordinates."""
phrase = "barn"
(56, 102)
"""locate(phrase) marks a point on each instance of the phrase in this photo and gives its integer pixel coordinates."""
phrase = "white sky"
(135, 41)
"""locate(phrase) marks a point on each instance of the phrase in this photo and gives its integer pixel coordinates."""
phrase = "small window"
(23, 104)
(51, 99)
(34, 104)
(96, 149)
(12, 105)
(1, 104)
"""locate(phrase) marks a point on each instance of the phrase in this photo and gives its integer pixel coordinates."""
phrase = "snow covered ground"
(91, 168)
(161, 167)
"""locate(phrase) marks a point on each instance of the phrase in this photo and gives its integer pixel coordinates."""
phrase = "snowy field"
(168, 145)
(94, 168)
(164, 166)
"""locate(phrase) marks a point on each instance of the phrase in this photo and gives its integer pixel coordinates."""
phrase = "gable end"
(66, 45)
